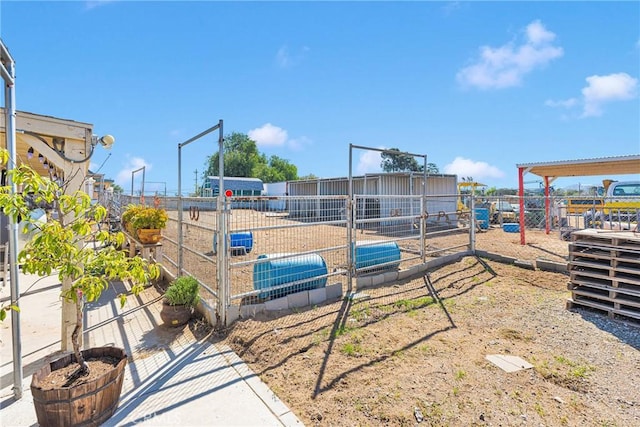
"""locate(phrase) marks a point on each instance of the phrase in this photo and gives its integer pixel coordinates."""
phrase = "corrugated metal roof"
(237, 183)
(620, 165)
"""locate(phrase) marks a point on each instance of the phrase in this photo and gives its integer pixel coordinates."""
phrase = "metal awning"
(620, 165)
(585, 167)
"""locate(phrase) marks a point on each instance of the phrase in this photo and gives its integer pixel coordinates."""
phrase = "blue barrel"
(292, 268)
(482, 216)
(240, 242)
(369, 254)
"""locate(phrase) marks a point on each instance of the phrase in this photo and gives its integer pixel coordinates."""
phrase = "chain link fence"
(275, 246)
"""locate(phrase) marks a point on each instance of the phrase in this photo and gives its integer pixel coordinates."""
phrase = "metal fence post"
(423, 228)
(472, 222)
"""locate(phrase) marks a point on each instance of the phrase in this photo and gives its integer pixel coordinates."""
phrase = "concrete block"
(334, 292)
(317, 296)
(378, 279)
(233, 313)
(252, 310)
(390, 276)
(404, 274)
(207, 310)
(496, 257)
(364, 282)
(299, 299)
(417, 270)
(546, 265)
(529, 265)
(277, 304)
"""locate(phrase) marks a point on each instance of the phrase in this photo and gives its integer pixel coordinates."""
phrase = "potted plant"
(127, 217)
(60, 246)
(145, 222)
(180, 298)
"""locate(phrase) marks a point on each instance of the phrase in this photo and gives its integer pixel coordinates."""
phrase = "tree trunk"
(84, 368)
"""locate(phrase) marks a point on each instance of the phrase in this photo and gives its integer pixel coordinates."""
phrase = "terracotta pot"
(149, 235)
(175, 315)
(88, 404)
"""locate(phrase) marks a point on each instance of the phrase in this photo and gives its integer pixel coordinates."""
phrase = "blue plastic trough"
(241, 243)
(301, 271)
(511, 227)
(370, 254)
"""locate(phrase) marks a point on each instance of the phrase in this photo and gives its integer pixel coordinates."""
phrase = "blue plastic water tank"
(240, 242)
(369, 254)
(511, 227)
(289, 268)
(482, 216)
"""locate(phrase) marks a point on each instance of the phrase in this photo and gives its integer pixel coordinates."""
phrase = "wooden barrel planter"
(88, 404)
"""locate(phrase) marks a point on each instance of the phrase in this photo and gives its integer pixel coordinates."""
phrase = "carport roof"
(620, 165)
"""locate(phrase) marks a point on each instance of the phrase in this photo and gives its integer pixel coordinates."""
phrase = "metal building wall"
(383, 184)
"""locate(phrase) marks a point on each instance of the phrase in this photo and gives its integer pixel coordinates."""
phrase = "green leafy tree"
(60, 245)
(242, 159)
(432, 168)
(117, 189)
(395, 161)
(308, 177)
(241, 156)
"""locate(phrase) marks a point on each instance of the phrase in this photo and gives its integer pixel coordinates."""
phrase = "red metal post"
(521, 201)
(547, 213)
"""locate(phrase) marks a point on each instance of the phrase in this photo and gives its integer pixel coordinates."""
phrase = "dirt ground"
(415, 353)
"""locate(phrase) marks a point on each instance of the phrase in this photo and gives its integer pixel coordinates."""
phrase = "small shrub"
(184, 290)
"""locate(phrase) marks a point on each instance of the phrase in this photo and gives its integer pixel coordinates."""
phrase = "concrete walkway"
(172, 378)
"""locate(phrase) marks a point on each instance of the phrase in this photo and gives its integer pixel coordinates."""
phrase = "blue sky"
(476, 86)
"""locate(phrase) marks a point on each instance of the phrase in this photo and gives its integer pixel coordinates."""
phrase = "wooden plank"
(577, 275)
(596, 297)
(610, 311)
(631, 270)
(632, 249)
(595, 285)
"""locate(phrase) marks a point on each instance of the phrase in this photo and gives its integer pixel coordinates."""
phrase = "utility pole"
(196, 190)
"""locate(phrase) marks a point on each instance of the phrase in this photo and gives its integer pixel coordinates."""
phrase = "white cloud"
(123, 178)
(604, 89)
(369, 162)
(269, 135)
(505, 66)
(286, 59)
(478, 170)
(600, 90)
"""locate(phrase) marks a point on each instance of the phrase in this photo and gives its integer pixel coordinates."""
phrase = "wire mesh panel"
(299, 245)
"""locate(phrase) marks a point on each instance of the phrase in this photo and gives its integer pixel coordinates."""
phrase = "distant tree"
(117, 189)
(308, 177)
(432, 168)
(242, 159)
(398, 162)
(283, 166)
